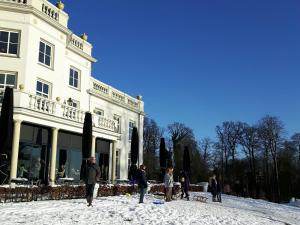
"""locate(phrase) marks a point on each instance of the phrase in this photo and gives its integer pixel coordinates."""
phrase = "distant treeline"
(256, 161)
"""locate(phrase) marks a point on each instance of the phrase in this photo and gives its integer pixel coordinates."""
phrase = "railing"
(44, 6)
(76, 41)
(41, 104)
(118, 96)
(46, 106)
(50, 11)
(15, 1)
(73, 113)
(101, 88)
(107, 91)
(109, 124)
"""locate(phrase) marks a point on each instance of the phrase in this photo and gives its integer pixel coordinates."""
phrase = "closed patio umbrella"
(134, 153)
(6, 133)
(186, 160)
(162, 158)
(87, 136)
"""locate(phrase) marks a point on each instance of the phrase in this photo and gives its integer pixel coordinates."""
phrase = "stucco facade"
(53, 87)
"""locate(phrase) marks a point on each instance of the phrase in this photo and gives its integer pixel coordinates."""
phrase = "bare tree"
(229, 134)
(152, 135)
(205, 146)
(296, 141)
(249, 140)
(271, 131)
(223, 147)
(178, 131)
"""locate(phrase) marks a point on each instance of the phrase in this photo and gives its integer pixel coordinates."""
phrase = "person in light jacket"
(169, 183)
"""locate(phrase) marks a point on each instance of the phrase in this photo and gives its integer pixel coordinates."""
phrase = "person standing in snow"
(213, 184)
(185, 184)
(215, 189)
(219, 190)
(92, 173)
(169, 183)
(142, 182)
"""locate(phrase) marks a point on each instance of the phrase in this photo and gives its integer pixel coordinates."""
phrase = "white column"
(15, 149)
(141, 133)
(53, 155)
(113, 164)
(93, 150)
(110, 162)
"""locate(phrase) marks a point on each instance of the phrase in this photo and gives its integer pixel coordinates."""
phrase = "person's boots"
(89, 200)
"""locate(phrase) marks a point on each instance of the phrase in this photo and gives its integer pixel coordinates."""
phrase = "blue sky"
(200, 62)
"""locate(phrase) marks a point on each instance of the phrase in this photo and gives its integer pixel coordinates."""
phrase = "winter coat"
(185, 181)
(92, 172)
(168, 180)
(214, 186)
(141, 178)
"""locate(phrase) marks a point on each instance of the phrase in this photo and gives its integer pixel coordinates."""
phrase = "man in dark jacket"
(142, 182)
(92, 173)
(185, 185)
(216, 189)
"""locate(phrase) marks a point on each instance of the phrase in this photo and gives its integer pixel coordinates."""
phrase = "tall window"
(9, 42)
(45, 53)
(74, 78)
(8, 79)
(131, 126)
(42, 89)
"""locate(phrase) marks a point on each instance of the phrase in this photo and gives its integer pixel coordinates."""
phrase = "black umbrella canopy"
(162, 154)
(87, 136)
(6, 133)
(134, 146)
(134, 153)
(186, 160)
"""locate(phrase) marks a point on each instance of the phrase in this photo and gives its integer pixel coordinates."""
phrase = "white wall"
(32, 30)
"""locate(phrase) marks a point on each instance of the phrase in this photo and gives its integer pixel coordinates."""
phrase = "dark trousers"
(219, 198)
(186, 192)
(142, 194)
(89, 190)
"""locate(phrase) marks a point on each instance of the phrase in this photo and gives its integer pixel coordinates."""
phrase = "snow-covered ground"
(126, 210)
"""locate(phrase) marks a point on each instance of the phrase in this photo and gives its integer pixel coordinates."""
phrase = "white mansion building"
(50, 70)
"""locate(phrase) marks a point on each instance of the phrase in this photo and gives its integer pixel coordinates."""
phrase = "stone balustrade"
(15, 1)
(76, 41)
(100, 89)
(45, 7)
(46, 106)
(41, 104)
(50, 11)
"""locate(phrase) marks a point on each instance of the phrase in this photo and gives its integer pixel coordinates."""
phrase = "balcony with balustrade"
(44, 108)
(104, 91)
